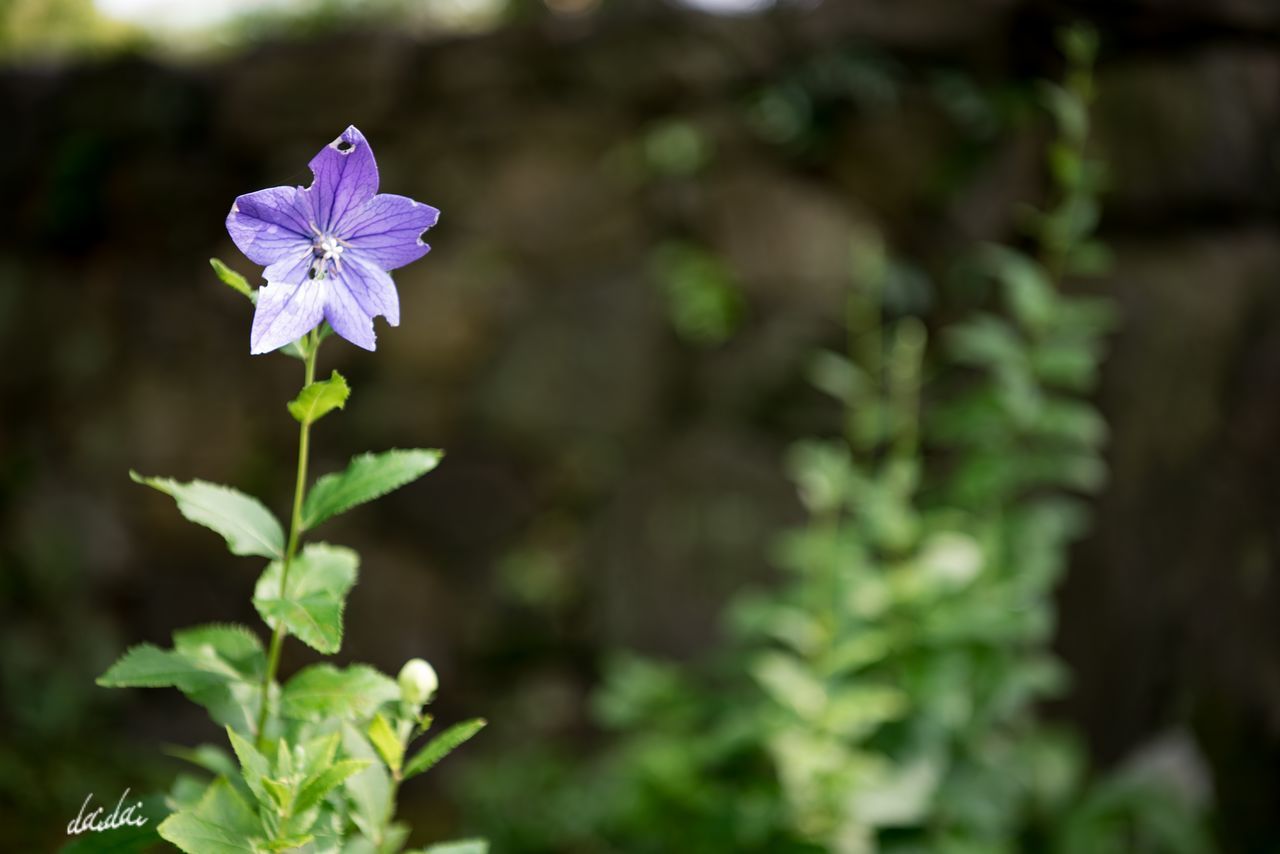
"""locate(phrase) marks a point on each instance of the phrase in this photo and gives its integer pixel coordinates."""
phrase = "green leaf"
(459, 846)
(1027, 286)
(222, 823)
(322, 691)
(148, 666)
(838, 376)
(370, 790)
(312, 605)
(314, 789)
(319, 399)
(232, 279)
(442, 745)
(368, 476)
(233, 644)
(248, 526)
(206, 756)
(791, 684)
(219, 667)
(319, 753)
(253, 765)
(280, 792)
(386, 742)
(186, 792)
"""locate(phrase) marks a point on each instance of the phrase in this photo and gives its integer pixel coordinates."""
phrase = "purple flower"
(327, 248)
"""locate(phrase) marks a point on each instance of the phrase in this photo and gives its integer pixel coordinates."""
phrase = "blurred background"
(647, 215)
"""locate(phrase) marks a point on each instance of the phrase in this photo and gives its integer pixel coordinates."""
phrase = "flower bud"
(418, 682)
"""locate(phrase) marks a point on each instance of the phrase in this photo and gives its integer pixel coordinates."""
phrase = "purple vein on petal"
(344, 179)
(285, 312)
(269, 223)
(387, 231)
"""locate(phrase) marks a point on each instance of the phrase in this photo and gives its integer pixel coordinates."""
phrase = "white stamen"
(331, 248)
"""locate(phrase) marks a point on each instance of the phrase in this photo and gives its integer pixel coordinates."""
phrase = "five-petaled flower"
(327, 248)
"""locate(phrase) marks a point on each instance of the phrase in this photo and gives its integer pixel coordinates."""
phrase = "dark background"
(608, 481)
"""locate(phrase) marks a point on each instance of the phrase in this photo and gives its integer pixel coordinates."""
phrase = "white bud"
(418, 682)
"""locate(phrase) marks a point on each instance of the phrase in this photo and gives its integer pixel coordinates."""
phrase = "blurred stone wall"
(608, 484)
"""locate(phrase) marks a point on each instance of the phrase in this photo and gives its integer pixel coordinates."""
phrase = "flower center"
(329, 247)
(327, 250)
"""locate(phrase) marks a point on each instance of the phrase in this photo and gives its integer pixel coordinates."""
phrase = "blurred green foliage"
(703, 300)
(884, 697)
(37, 29)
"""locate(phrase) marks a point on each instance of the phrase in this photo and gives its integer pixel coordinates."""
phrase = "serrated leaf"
(370, 790)
(322, 691)
(442, 745)
(234, 654)
(319, 753)
(243, 521)
(253, 765)
(222, 823)
(314, 789)
(148, 666)
(233, 644)
(280, 793)
(312, 605)
(217, 666)
(319, 399)
(386, 742)
(367, 477)
(232, 279)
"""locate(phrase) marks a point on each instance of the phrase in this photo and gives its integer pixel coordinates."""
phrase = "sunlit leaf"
(232, 279)
(311, 606)
(247, 525)
(319, 399)
(222, 823)
(218, 667)
(442, 745)
(316, 787)
(369, 789)
(368, 476)
(386, 742)
(322, 691)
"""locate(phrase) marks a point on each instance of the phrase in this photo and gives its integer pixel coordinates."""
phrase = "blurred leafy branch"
(883, 698)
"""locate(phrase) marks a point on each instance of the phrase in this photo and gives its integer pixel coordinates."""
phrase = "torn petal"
(370, 286)
(388, 230)
(285, 312)
(346, 176)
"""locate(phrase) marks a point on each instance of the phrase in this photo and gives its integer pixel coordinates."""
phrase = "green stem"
(310, 347)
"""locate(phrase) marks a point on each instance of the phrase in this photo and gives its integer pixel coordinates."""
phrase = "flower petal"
(270, 223)
(347, 318)
(388, 229)
(346, 177)
(370, 286)
(293, 267)
(285, 313)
